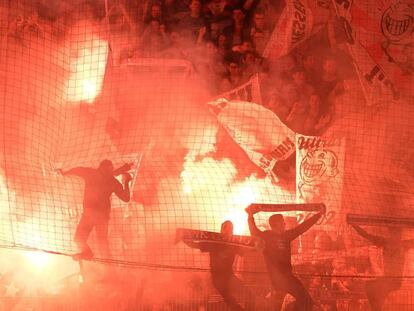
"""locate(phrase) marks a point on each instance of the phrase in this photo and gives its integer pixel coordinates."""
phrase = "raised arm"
(123, 169)
(191, 244)
(254, 231)
(123, 192)
(376, 240)
(304, 226)
(76, 171)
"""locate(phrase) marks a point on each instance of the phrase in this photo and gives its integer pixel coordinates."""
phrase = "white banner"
(319, 171)
(294, 26)
(381, 42)
(260, 133)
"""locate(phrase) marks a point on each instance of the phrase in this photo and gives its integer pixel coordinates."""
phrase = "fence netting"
(216, 105)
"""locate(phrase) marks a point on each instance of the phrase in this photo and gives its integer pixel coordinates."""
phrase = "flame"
(211, 184)
(37, 259)
(87, 70)
(243, 195)
(238, 218)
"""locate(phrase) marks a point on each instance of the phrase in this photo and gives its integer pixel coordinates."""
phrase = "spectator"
(311, 72)
(223, 45)
(315, 122)
(155, 12)
(214, 30)
(282, 69)
(238, 51)
(328, 84)
(155, 29)
(233, 78)
(278, 106)
(153, 47)
(119, 19)
(259, 40)
(191, 22)
(238, 31)
(215, 18)
(216, 6)
(279, 79)
(260, 26)
(175, 47)
(251, 63)
(297, 97)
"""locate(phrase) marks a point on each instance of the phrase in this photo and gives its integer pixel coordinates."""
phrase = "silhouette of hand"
(127, 177)
(202, 31)
(249, 211)
(125, 168)
(323, 208)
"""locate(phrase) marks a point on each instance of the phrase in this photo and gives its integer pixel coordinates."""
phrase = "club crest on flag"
(397, 26)
(319, 170)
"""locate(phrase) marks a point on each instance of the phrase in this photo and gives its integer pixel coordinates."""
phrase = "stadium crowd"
(223, 39)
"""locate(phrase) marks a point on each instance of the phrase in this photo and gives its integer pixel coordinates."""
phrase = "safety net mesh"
(314, 106)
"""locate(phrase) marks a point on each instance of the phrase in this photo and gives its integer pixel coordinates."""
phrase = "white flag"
(319, 172)
(260, 133)
(293, 27)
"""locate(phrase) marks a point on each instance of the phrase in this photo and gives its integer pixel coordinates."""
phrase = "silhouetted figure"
(221, 264)
(277, 255)
(394, 252)
(100, 183)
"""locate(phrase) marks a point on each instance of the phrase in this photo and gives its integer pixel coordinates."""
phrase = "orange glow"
(37, 259)
(238, 218)
(34, 267)
(243, 195)
(87, 70)
(227, 197)
(187, 188)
